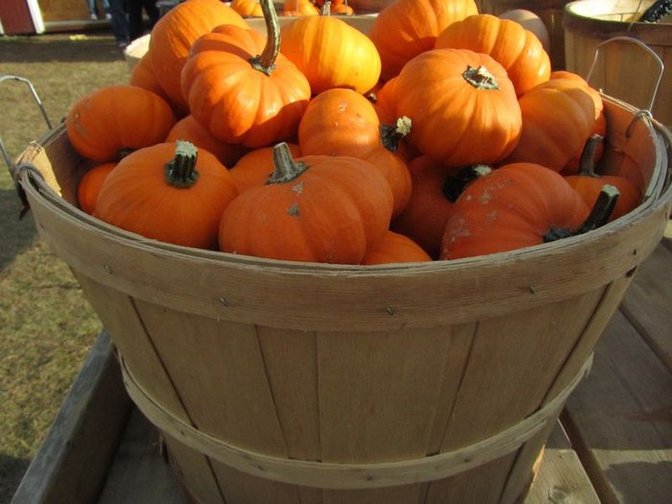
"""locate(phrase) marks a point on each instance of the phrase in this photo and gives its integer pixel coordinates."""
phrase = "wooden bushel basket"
(292, 382)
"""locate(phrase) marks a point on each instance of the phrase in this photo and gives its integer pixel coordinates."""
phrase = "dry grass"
(46, 325)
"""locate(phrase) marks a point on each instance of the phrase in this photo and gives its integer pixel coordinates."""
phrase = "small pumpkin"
(330, 209)
(559, 116)
(395, 248)
(407, 28)
(169, 192)
(114, 120)
(331, 53)
(518, 50)
(241, 88)
(462, 105)
(143, 76)
(299, 8)
(247, 8)
(531, 22)
(519, 205)
(90, 184)
(435, 189)
(589, 184)
(256, 167)
(189, 129)
(342, 122)
(175, 32)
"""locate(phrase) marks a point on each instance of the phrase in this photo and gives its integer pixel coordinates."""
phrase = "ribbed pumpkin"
(330, 209)
(114, 120)
(559, 116)
(169, 192)
(435, 189)
(189, 129)
(241, 89)
(331, 53)
(342, 122)
(256, 167)
(589, 184)
(395, 248)
(462, 106)
(299, 8)
(407, 28)
(90, 184)
(518, 205)
(247, 8)
(173, 35)
(518, 50)
(143, 76)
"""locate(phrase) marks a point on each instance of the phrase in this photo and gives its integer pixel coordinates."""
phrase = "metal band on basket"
(349, 476)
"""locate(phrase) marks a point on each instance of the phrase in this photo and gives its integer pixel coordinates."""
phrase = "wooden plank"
(81, 443)
(562, 480)
(647, 303)
(619, 419)
(139, 472)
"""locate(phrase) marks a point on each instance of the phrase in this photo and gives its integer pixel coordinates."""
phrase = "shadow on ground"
(16, 235)
(11, 471)
(99, 47)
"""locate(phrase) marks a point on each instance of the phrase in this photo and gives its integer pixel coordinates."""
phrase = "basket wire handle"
(642, 45)
(38, 102)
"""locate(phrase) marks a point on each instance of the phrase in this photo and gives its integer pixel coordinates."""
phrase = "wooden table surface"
(613, 443)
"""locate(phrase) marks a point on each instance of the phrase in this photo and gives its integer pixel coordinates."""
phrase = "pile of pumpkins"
(440, 134)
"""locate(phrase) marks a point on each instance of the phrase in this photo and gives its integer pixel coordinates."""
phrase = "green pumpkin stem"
(587, 160)
(455, 185)
(285, 169)
(265, 62)
(599, 215)
(181, 171)
(480, 77)
(391, 134)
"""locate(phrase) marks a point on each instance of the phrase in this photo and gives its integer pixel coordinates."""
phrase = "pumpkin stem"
(391, 134)
(285, 169)
(326, 9)
(265, 62)
(599, 215)
(587, 160)
(181, 171)
(454, 185)
(480, 77)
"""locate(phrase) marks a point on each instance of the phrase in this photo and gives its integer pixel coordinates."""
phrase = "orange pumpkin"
(113, 120)
(435, 188)
(169, 192)
(90, 184)
(247, 8)
(143, 76)
(342, 122)
(517, 205)
(330, 209)
(395, 248)
(519, 51)
(173, 35)
(559, 116)
(462, 106)
(407, 28)
(331, 53)
(240, 87)
(256, 167)
(299, 8)
(189, 129)
(589, 184)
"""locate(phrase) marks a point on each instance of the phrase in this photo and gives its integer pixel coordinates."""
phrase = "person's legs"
(119, 22)
(152, 11)
(93, 9)
(135, 23)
